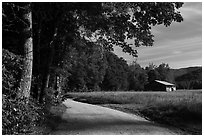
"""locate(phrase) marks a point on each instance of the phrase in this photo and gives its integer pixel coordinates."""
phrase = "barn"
(158, 85)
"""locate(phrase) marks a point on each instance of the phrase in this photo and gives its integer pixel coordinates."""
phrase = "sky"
(179, 45)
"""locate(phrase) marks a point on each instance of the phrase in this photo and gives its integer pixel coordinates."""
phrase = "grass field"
(182, 109)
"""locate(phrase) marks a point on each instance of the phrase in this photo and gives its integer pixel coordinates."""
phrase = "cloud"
(185, 63)
(180, 44)
(176, 52)
(190, 9)
(172, 51)
(191, 26)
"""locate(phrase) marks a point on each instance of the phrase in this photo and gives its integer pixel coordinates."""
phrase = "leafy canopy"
(109, 23)
(116, 22)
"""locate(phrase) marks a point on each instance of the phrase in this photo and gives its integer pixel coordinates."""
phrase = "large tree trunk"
(46, 75)
(25, 84)
(36, 89)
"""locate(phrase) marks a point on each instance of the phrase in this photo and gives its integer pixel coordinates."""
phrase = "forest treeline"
(50, 48)
(89, 70)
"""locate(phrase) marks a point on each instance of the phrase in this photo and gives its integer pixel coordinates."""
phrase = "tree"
(152, 72)
(163, 71)
(82, 66)
(137, 77)
(21, 16)
(190, 80)
(112, 23)
(25, 84)
(116, 76)
(107, 24)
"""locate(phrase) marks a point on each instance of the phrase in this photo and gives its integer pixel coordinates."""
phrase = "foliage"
(116, 76)
(137, 77)
(88, 30)
(184, 78)
(120, 21)
(190, 80)
(52, 97)
(11, 70)
(160, 72)
(18, 117)
(163, 70)
(57, 25)
(85, 64)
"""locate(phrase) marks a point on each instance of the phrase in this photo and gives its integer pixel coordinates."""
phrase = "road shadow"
(54, 116)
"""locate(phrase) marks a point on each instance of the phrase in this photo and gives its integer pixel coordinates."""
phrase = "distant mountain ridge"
(182, 71)
(187, 78)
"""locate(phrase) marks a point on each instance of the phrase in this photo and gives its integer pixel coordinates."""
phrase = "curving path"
(86, 119)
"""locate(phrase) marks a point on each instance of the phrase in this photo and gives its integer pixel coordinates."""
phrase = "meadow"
(181, 109)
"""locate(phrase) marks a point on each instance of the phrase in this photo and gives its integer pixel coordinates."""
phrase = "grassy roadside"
(52, 111)
(181, 109)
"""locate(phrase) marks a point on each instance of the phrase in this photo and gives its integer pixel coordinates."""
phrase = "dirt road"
(87, 119)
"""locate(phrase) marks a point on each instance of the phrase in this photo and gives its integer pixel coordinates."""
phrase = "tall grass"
(145, 98)
(175, 108)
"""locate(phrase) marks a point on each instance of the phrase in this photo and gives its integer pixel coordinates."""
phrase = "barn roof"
(165, 83)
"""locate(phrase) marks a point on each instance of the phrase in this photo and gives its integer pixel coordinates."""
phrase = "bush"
(11, 71)
(18, 117)
(52, 97)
